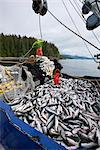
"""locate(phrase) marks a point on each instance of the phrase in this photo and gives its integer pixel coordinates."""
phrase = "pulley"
(93, 21)
(40, 6)
(86, 8)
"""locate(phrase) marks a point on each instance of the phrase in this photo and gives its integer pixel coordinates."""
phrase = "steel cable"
(72, 30)
(40, 26)
(77, 30)
(83, 19)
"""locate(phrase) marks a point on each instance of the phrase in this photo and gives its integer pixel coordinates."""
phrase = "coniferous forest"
(17, 46)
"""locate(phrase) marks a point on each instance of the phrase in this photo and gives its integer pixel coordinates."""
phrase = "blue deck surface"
(16, 135)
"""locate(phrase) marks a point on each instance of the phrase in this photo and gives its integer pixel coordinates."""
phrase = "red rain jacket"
(39, 52)
(56, 78)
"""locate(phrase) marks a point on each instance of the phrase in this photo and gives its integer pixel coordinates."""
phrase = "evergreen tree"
(17, 46)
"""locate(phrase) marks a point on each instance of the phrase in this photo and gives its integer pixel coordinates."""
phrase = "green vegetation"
(17, 46)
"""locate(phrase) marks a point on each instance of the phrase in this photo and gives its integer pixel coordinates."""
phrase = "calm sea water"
(80, 67)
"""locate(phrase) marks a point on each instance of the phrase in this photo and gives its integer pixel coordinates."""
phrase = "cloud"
(17, 17)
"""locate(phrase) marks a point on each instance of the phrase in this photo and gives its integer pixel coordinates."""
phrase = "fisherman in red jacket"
(56, 77)
(39, 51)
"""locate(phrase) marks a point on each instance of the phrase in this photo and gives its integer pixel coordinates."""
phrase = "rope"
(28, 52)
(78, 30)
(72, 30)
(40, 26)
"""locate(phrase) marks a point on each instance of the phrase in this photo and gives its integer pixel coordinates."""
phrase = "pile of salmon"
(69, 113)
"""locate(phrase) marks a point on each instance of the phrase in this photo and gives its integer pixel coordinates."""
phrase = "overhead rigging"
(40, 7)
(42, 4)
(84, 20)
(93, 21)
(78, 30)
(82, 16)
(72, 30)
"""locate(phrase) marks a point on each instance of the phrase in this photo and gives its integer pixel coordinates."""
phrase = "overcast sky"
(17, 17)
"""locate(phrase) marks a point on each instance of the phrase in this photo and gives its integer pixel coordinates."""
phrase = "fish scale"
(65, 111)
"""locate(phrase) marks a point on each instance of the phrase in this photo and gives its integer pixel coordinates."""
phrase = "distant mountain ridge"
(67, 56)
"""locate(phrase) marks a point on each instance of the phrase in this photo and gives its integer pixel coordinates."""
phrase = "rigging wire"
(72, 30)
(70, 15)
(40, 37)
(97, 5)
(40, 27)
(79, 8)
(27, 52)
(82, 17)
(91, 3)
(85, 20)
(77, 29)
(77, 12)
(77, 5)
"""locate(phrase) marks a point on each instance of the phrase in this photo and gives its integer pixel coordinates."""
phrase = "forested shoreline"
(17, 46)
